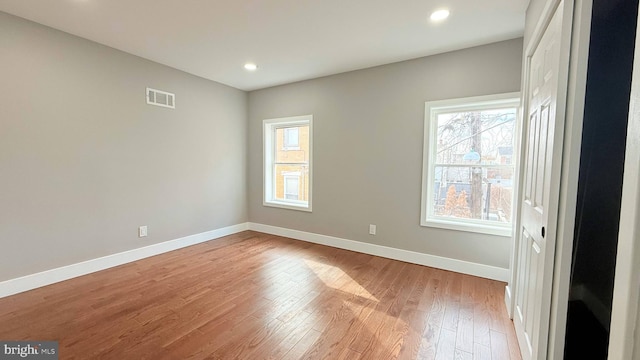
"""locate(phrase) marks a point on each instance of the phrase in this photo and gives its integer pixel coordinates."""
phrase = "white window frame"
(269, 127)
(432, 110)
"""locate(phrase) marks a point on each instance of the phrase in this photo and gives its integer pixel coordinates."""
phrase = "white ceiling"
(290, 40)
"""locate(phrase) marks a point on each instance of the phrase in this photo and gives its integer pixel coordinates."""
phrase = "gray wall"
(368, 138)
(84, 160)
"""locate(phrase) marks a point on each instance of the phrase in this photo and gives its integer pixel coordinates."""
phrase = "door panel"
(539, 199)
(521, 298)
(541, 161)
(531, 157)
(533, 286)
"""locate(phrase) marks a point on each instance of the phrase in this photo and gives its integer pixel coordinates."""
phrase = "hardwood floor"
(257, 296)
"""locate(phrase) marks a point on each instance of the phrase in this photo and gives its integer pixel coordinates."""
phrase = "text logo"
(28, 350)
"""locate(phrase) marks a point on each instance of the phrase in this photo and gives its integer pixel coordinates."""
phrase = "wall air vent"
(161, 98)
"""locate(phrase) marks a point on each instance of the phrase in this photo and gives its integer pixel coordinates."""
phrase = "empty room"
(319, 179)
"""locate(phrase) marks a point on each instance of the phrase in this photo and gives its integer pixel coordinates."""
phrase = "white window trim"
(433, 108)
(268, 181)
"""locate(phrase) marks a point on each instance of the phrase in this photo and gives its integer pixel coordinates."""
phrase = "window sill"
(288, 205)
(468, 227)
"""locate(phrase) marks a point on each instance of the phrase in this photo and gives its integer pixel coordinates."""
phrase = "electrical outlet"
(372, 229)
(142, 231)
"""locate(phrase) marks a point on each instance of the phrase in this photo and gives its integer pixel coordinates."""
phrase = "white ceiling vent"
(161, 98)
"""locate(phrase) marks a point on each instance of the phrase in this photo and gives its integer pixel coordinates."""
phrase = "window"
(468, 163)
(287, 162)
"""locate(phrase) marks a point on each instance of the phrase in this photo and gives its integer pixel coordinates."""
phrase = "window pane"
(473, 192)
(287, 162)
(469, 163)
(478, 137)
(292, 163)
(292, 182)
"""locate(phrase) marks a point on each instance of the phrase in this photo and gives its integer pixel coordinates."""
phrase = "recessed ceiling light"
(440, 15)
(251, 66)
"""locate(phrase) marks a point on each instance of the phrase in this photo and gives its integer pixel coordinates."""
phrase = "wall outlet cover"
(142, 231)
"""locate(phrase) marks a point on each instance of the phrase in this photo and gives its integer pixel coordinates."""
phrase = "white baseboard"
(593, 303)
(29, 282)
(507, 301)
(465, 267)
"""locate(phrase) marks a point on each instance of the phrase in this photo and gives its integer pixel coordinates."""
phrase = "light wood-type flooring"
(258, 296)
